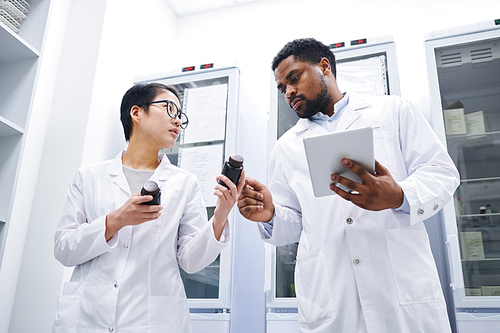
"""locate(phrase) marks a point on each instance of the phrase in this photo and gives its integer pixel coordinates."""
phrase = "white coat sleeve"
(78, 240)
(197, 246)
(432, 175)
(287, 222)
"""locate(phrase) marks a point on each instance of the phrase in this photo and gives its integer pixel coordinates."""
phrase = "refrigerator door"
(464, 80)
(362, 69)
(210, 100)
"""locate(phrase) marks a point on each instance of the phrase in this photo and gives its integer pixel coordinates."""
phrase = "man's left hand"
(376, 192)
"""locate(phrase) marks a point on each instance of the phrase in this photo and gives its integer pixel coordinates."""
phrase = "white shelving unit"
(463, 65)
(19, 59)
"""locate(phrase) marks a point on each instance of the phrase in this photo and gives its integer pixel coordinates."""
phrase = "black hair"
(141, 95)
(306, 50)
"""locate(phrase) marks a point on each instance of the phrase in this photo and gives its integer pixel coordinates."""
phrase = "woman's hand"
(226, 199)
(131, 213)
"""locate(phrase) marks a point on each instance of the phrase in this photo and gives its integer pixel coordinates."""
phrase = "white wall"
(137, 38)
(107, 43)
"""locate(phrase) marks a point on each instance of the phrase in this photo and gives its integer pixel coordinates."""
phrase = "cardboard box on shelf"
(476, 122)
(472, 245)
(454, 119)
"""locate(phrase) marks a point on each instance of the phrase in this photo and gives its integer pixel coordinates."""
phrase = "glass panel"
(285, 268)
(204, 284)
(470, 86)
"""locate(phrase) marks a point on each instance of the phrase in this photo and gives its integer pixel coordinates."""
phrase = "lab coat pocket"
(68, 311)
(385, 154)
(168, 314)
(314, 296)
(413, 266)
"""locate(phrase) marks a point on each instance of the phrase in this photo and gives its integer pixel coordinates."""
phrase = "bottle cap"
(150, 188)
(236, 161)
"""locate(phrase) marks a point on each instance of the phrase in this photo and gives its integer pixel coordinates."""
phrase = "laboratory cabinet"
(464, 80)
(20, 52)
(222, 122)
(365, 66)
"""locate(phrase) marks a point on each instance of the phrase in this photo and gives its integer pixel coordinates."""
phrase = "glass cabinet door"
(209, 99)
(205, 283)
(469, 84)
(363, 71)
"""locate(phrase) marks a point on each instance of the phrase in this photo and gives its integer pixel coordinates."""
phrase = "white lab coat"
(359, 270)
(132, 282)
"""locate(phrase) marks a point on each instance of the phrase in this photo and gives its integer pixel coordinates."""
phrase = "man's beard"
(313, 106)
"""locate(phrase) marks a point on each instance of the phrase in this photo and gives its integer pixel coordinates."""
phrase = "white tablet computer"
(325, 153)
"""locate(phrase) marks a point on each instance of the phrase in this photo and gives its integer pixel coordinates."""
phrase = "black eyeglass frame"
(178, 114)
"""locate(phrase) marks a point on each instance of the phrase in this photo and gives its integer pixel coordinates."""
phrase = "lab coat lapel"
(162, 173)
(116, 173)
(352, 112)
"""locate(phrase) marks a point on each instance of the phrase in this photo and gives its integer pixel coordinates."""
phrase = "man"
(364, 262)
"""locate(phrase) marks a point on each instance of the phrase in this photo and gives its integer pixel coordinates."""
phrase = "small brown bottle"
(232, 169)
(151, 188)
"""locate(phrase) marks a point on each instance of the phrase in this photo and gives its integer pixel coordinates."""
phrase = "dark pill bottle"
(232, 169)
(151, 188)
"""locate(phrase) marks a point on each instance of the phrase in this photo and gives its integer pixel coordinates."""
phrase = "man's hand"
(377, 192)
(256, 202)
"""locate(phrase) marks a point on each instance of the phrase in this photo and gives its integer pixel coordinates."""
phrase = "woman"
(127, 254)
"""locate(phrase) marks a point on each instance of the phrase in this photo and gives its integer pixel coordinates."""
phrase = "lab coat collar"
(161, 173)
(351, 112)
(350, 116)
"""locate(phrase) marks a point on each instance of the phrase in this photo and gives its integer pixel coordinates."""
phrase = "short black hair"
(306, 50)
(140, 94)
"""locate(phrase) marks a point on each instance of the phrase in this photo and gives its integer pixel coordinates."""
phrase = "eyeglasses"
(173, 111)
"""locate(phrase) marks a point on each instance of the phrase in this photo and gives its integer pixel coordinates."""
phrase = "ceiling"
(186, 7)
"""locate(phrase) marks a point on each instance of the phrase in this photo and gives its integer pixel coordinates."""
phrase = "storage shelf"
(477, 215)
(482, 260)
(489, 137)
(490, 179)
(8, 128)
(14, 47)
(486, 266)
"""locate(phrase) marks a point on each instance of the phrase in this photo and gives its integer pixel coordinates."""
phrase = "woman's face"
(159, 128)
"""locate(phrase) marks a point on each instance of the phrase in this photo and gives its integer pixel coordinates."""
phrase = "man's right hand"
(256, 202)
(131, 213)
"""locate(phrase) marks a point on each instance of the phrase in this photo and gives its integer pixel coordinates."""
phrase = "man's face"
(304, 86)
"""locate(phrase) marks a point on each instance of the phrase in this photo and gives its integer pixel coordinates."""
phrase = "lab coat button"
(116, 285)
(329, 120)
(349, 220)
(435, 207)
(125, 246)
(111, 329)
(357, 261)
(420, 211)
